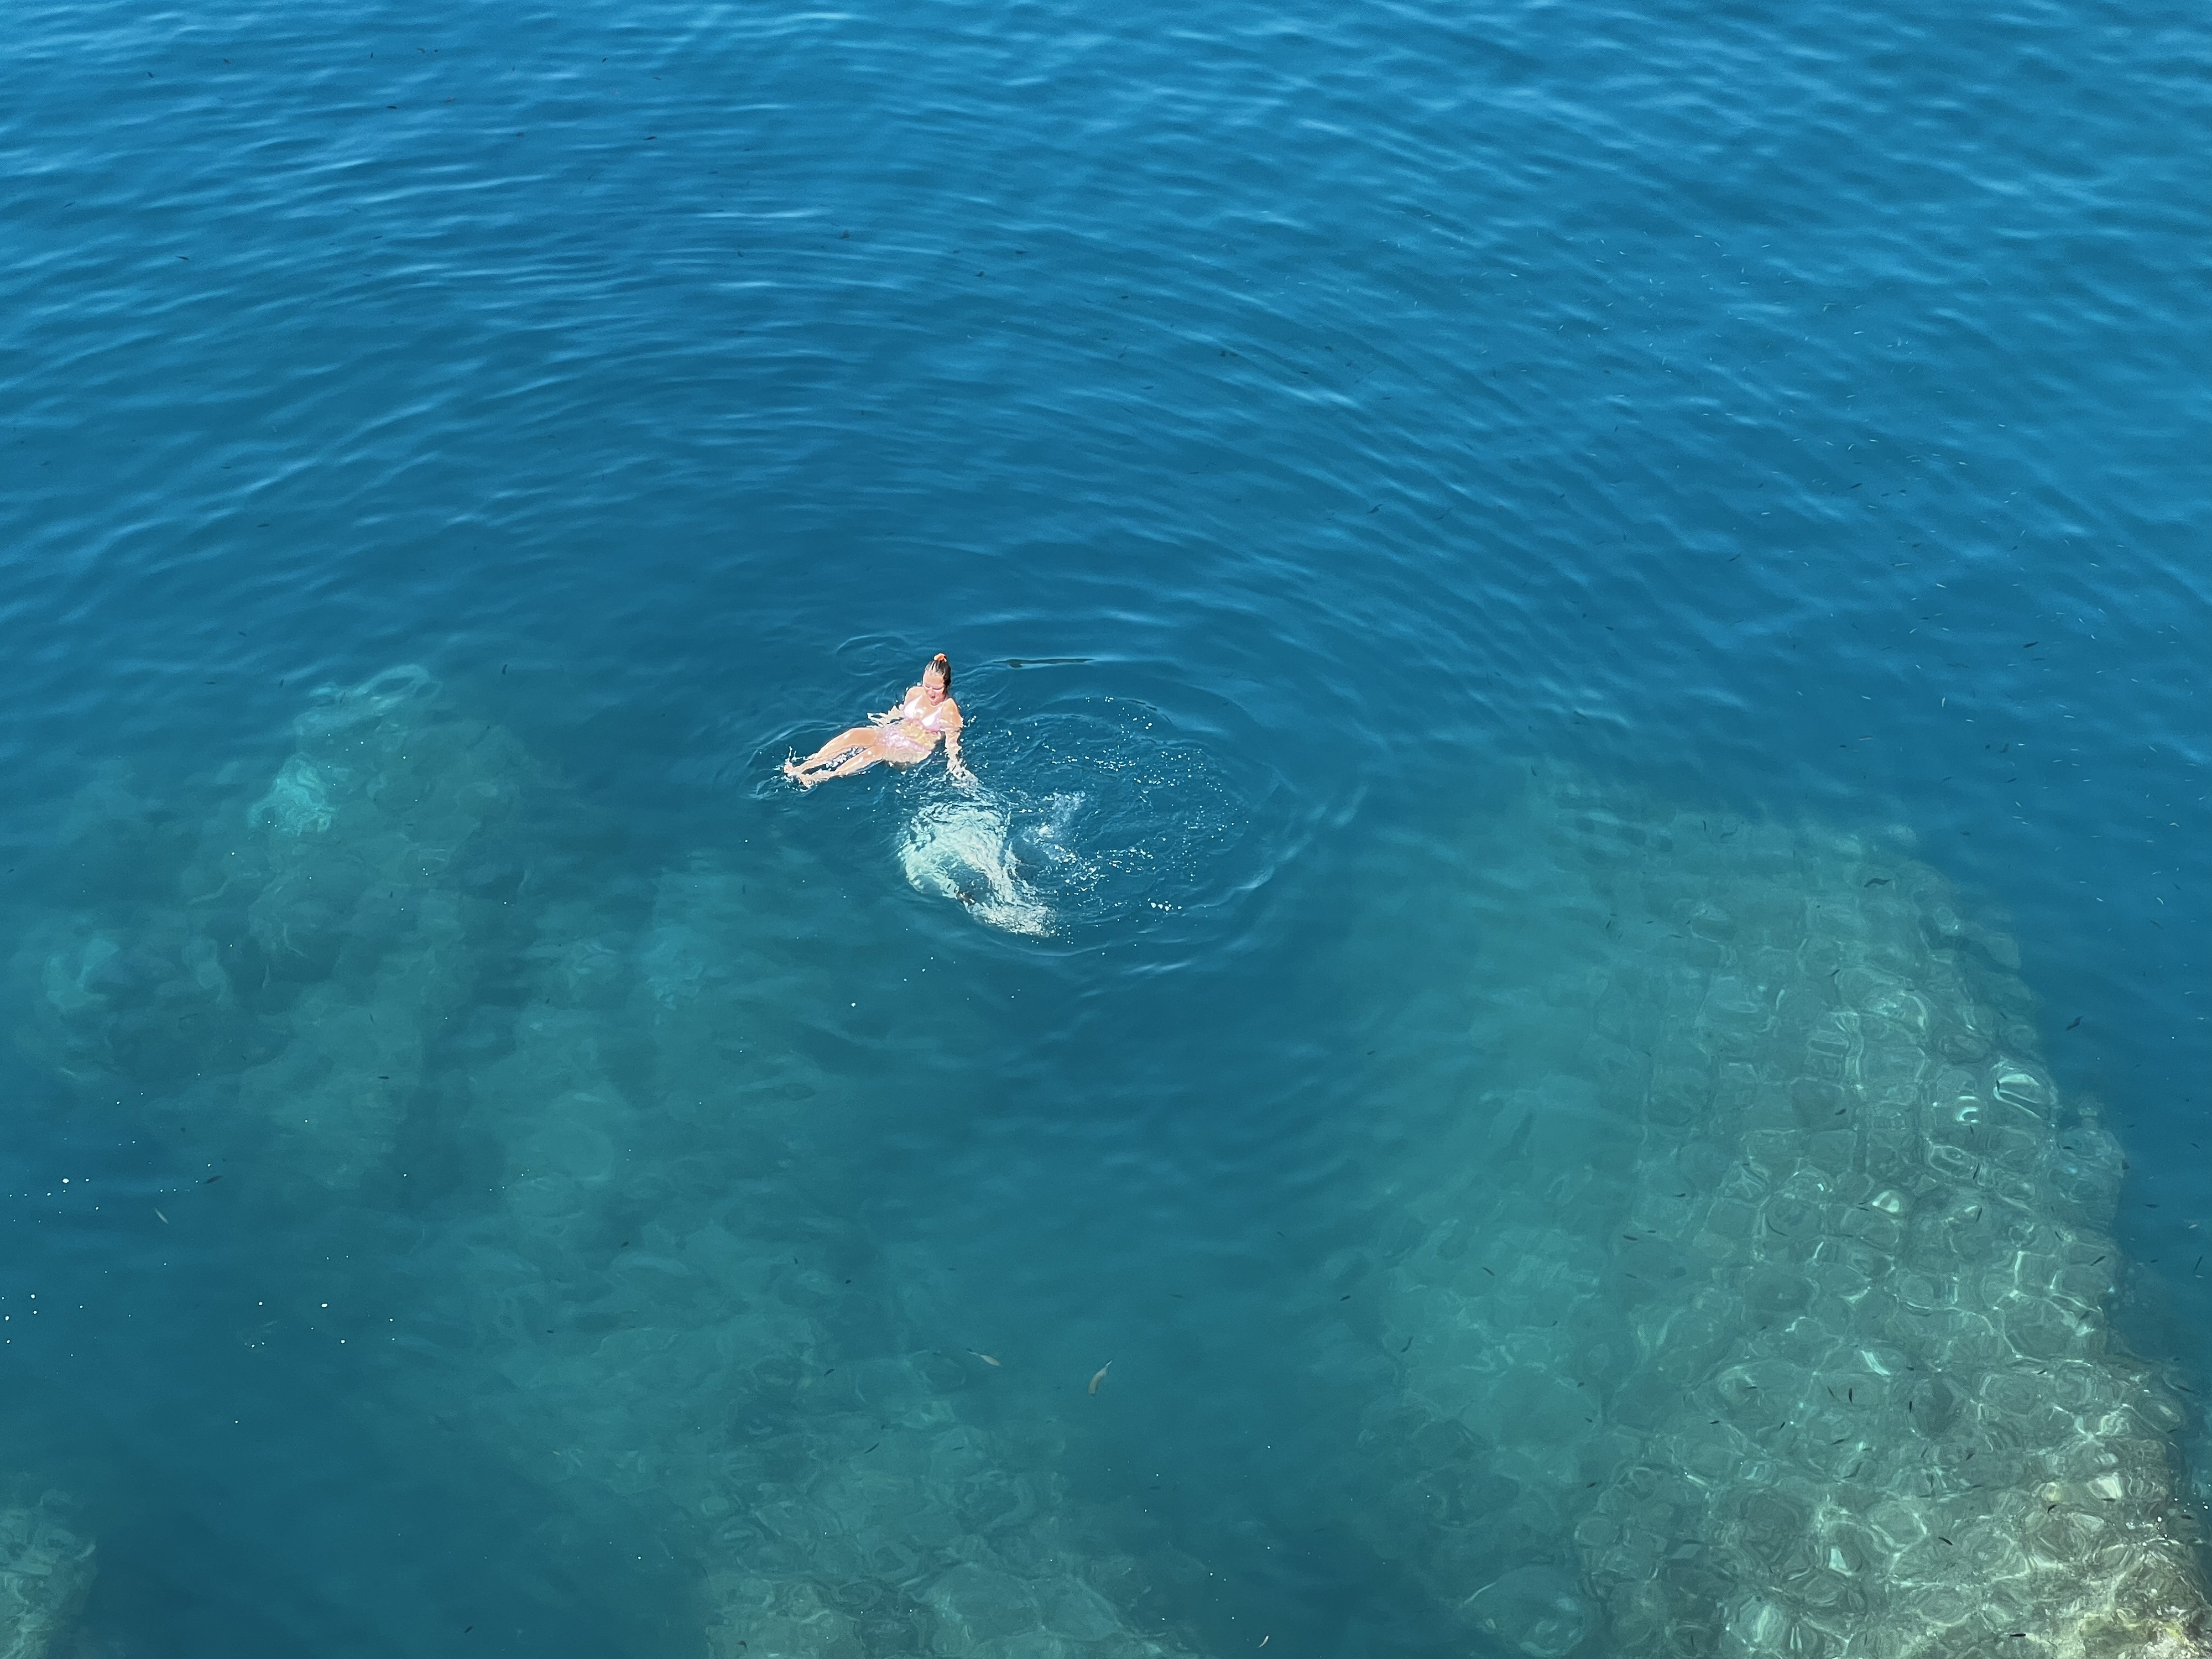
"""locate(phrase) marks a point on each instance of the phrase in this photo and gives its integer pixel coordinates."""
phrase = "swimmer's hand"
(961, 776)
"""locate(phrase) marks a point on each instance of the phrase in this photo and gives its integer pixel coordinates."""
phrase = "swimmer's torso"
(915, 722)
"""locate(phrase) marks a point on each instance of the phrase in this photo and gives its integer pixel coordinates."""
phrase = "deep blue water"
(1304, 429)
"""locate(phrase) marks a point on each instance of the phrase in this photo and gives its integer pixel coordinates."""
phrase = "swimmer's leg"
(838, 748)
(855, 750)
(861, 760)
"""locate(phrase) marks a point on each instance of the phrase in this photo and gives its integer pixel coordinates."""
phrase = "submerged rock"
(699, 1343)
(47, 1566)
(651, 1303)
(302, 956)
(1765, 1309)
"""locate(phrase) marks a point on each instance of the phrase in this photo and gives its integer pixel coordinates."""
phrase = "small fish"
(981, 1355)
(1099, 1376)
(1878, 881)
(2071, 1024)
(210, 1180)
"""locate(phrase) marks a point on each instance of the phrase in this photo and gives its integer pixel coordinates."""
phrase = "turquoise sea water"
(1550, 602)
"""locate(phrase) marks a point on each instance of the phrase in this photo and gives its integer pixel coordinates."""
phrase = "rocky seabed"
(1754, 1304)
(1761, 1306)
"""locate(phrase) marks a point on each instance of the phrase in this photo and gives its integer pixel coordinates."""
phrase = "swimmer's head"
(942, 667)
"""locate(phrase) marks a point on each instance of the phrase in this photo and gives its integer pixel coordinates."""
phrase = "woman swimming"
(901, 736)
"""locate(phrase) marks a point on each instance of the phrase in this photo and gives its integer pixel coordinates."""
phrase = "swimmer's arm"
(953, 764)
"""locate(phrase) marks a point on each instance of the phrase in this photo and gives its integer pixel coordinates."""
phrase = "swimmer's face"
(933, 681)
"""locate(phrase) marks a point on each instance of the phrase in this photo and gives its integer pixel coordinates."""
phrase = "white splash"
(963, 850)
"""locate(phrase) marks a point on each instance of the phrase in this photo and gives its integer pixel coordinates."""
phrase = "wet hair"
(943, 665)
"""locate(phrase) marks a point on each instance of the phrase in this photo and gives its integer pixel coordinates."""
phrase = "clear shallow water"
(1784, 416)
